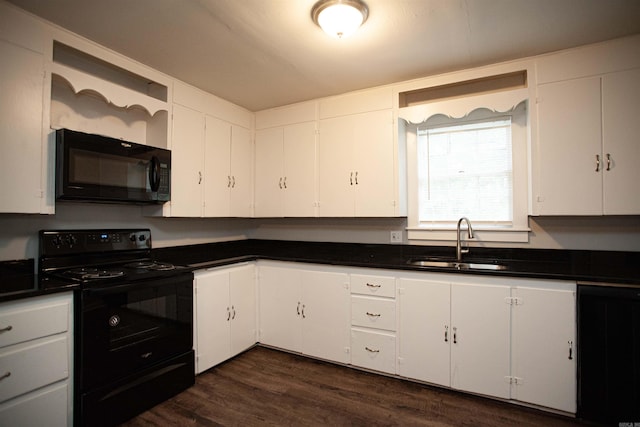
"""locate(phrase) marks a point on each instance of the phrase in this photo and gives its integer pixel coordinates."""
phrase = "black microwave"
(102, 169)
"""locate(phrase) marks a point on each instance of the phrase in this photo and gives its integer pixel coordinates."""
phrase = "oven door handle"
(154, 173)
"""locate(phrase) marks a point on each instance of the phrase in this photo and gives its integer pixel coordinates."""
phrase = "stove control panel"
(61, 242)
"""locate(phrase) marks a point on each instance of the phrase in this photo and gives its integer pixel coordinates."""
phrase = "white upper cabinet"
(588, 101)
(356, 165)
(22, 165)
(621, 142)
(212, 163)
(570, 148)
(187, 166)
(285, 171)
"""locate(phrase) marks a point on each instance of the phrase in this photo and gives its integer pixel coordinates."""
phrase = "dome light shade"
(339, 18)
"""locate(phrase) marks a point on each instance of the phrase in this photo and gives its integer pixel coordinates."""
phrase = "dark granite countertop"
(17, 278)
(576, 265)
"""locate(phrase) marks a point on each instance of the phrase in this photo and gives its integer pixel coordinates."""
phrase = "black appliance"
(101, 169)
(609, 354)
(133, 321)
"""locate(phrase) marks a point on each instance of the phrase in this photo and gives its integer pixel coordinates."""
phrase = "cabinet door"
(299, 170)
(280, 307)
(325, 315)
(621, 142)
(569, 139)
(186, 162)
(243, 308)
(21, 160)
(374, 164)
(212, 316)
(217, 179)
(425, 331)
(269, 173)
(544, 346)
(335, 167)
(480, 346)
(241, 202)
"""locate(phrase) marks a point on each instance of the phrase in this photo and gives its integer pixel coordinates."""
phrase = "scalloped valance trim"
(499, 102)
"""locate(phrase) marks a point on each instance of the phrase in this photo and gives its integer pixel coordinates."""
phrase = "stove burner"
(90, 273)
(151, 265)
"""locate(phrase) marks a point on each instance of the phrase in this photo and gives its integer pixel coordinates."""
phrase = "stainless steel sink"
(456, 265)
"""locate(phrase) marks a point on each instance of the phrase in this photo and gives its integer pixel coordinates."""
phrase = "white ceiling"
(266, 53)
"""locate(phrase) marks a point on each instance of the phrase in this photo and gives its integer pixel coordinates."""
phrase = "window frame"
(518, 231)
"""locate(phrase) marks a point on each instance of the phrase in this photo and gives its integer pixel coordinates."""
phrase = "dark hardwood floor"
(269, 387)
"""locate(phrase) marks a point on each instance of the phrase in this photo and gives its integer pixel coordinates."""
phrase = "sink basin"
(455, 265)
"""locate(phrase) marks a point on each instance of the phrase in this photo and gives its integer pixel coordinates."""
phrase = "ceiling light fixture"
(339, 18)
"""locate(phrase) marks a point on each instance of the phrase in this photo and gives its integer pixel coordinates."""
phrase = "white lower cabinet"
(225, 314)
(373, 350)
(36, 345)
(513, 340)
(544, 347)
(305, 309)
(455, 335)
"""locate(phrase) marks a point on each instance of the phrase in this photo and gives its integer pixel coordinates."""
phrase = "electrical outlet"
(396, 237)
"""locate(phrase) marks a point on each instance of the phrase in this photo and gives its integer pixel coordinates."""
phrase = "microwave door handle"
(154, 173)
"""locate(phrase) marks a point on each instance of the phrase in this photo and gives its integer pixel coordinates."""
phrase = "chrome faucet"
(459, 250)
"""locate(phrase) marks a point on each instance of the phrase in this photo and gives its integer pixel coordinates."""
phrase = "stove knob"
(132, 237)
(57, 240)
(71, 240)
(142, 237)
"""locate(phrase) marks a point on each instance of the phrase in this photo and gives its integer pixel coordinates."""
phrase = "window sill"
(511, 235)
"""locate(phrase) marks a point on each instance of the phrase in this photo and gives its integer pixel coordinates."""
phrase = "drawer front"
(373, 350)
(29, 366)
(21, 322)
(373, 313)
(47, 407)
(373, 285)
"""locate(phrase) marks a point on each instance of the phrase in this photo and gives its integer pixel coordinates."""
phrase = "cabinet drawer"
(29, 366)
(20, 322)
(373, 285)
(373, 350)
(373, 313)
(46, 407)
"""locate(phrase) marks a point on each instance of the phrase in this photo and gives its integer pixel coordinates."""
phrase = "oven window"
(145, 314)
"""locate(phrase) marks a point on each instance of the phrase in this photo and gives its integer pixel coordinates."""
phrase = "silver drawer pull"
(370, 350)
(6, 375)
(373, 314)
(7, 329)
(373, 285)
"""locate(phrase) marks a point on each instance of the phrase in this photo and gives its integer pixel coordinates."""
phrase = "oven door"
(127, 328)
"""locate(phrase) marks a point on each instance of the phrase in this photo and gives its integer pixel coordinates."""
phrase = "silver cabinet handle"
(233, 181)
(298, 308)
(373, 314)
(228, 181)
(455, 335)
(6, 375)
(199, 177)
(233, 312)
(356, 177)
(446, 333)
(6, 329)
(303, 316)
(284, 183)
(280, 183)
(370, 350)
(608, 161)
(351, 179)
(597, 162)
(373, 285)
(228, 314)
(570, 350)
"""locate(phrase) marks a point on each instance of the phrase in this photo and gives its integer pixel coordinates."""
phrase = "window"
(475, 167)
(465, 170)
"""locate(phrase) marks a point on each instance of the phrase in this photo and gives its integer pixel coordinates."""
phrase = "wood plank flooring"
(266, 387)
